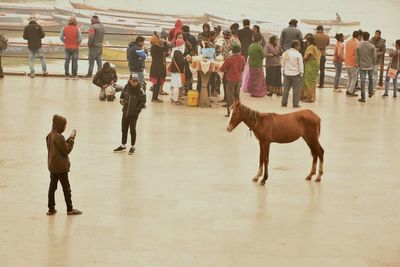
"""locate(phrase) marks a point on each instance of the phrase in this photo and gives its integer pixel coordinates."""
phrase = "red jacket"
(71, 36)
(233, 68)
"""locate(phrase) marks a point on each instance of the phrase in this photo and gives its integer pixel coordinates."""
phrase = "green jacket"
(256, 55)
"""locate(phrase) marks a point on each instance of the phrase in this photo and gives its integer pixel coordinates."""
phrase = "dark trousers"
(322, 70)
(1, 68)
(63, 178)
(156, 89)
(215, 82)
(232, 93)
(294, 82)
(129, 122)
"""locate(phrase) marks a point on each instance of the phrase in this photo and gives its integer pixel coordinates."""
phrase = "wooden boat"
(19, 21)
(15, 8)
(332, 22)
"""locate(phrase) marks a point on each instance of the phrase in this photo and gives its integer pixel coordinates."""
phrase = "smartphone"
(73, 134)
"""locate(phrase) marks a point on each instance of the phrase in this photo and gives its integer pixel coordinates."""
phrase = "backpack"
(3, 42)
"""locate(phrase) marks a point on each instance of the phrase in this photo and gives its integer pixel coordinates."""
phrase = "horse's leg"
(260, 168)
(314, 162)
(320, 152)
(266, 160)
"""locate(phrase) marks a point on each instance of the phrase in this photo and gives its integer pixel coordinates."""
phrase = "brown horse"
(280, 128)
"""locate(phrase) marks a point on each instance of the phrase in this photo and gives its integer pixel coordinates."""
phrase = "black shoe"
(320, 86)
(51, 212)
(74, 212)
(119, 149)
(131, 151)
(269, 94)
(351, 94)
(371, 94)
(361, 100)
(224, 105)
(283, 105)
(88, 75)
(298, 106)
(385, 95)
(157, 101)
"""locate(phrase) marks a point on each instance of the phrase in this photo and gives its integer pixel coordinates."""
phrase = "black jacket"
(136, 57)
(158, 62)
(134, 100)
(191, 39)
(178, 61)
(33, 32)
(246, 39)
(105, 77)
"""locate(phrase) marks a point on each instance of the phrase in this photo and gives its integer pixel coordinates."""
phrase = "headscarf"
(175, 31)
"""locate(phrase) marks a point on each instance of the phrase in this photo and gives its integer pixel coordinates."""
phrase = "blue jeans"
(74, 54)
(32, 54)
(338, 68)
(95, 54)
(363, 76)
(387, 80)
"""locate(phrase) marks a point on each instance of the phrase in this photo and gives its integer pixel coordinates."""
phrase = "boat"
(332, 22)
(19, 21)
(15, 8)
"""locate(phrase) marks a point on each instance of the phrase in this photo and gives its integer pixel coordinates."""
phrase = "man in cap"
(95, 44)
(133, 100)
(34, 34)
(71, 37)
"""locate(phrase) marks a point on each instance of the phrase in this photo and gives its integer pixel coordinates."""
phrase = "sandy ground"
(185, 198)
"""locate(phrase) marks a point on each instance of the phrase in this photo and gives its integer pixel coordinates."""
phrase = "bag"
(182, 74)
(110, 91)
(391, 71)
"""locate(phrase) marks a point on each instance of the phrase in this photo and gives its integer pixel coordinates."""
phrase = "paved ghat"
(185, 198)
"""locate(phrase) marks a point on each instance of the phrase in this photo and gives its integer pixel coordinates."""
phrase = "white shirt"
(292, 62)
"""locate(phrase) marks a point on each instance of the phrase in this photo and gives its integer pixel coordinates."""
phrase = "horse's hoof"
(308, 178)
(318, 179)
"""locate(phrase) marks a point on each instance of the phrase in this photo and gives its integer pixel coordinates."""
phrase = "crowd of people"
(269, 65)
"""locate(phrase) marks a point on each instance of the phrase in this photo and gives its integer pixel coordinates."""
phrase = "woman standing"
(395, 66)
(312, 57)
(177, 69)
(338, 59)
(273, 66)
(158, 66)
(256, 85)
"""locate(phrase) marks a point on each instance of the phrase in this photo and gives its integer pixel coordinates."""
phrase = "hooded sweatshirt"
(58, 149)
(33, 32)
(136, 57)
(175, 31)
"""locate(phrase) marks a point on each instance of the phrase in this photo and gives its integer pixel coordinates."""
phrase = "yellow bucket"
(193, 98)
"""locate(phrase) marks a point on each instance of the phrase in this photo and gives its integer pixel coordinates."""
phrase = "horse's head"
(235, 116)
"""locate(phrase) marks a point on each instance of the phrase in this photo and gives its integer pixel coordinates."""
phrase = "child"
(177, 69)
(133, 100)
(233, 70)
(58, 163)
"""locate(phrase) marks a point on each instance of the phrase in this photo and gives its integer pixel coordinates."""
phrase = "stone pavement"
(185, 198)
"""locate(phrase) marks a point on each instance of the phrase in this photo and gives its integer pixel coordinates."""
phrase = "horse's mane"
(249, 114)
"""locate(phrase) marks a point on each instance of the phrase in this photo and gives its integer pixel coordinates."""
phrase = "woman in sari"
(256, 86)
(273, 66)
(312, 57)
